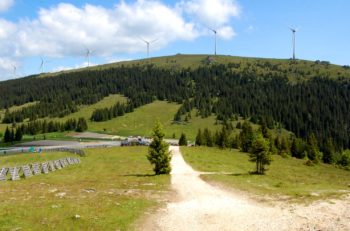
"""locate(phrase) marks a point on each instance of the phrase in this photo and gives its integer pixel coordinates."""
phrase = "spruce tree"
(328, 152)
(199, 138)
(246, 137)
(158, 153)
(183, 140)
(260, 153)
(207, 138)
(81, 125)
(7, 135)
(313, 152)
(18, 135)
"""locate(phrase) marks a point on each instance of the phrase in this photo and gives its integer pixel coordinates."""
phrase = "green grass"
(142, 120)
(122, 184)
(285, 177)
(85, 111)
(300, 69)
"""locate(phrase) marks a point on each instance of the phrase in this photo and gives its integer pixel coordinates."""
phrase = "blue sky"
(60, 32)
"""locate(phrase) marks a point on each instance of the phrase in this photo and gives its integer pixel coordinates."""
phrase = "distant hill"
(305, 97)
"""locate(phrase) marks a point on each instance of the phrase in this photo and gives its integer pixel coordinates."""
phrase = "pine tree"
(328, 152)
(207, 138)
(199, 138)
(7, 136)
(260, 153)
(183, 140)
(158, 153)
(313, 152)
(246, 137)
(223, 141)
(18, 135)
(81, 125)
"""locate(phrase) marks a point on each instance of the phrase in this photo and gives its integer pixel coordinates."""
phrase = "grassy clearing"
(142, 120)
(110, 190)
(299, 69)
(285, 177)
(85, 111)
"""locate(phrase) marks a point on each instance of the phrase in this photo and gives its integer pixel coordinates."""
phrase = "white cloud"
(66, 30)
(6, 4)
(212, 13)
(226, 32)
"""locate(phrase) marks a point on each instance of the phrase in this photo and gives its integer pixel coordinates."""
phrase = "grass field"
(285, 177)
(110, 190)
(85, 111)
(142, 120)
(300, 68)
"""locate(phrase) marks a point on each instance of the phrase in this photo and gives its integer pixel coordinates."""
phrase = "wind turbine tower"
(87, 56)
(42, 65)
(14, 71)
(215, 33)
(293, 31)
(148, 44)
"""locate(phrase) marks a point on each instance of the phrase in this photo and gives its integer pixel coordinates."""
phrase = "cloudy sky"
(60, 32)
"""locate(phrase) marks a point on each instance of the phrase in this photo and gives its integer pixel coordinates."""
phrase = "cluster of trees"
(104, 114)
(250, 140)
(43, 126)
(315, 106)
(12, 135)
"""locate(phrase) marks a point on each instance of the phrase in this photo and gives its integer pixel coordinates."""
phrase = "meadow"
(110, 190)
(286, 177)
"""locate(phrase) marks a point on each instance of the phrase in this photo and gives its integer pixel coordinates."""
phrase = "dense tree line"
(316, 106)
(44, 126)
(262, 142)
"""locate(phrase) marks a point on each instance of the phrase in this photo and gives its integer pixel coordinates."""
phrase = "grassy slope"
(285, 177)
(11, 109)
(86, 110)
(142, 120)
(308, 68)
(120, 176)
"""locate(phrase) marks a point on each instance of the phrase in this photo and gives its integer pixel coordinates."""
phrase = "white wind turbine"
(87, 55)
(148, 44)
(42, 64)
(215, 33)
(294, 30)
(14, 71)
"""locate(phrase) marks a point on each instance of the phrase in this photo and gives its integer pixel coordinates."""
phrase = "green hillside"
(294, 69)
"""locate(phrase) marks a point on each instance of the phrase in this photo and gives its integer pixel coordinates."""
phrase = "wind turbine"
(87, 55)
(42, 65)
(14, 71)
(148, 44)
(293, 38)
(215, 33)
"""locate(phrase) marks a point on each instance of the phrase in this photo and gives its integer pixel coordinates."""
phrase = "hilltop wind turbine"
(293, 31)
(14, 71)
(42, 64)
(87, 55)
(148, 44)
(215, 33)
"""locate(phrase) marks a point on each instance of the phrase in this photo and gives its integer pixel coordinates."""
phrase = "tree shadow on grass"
(139, 175)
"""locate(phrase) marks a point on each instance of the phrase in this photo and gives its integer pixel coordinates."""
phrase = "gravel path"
(201, 206)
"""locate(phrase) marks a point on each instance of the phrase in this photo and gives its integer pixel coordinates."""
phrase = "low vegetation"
(285, 177)
(110, 190)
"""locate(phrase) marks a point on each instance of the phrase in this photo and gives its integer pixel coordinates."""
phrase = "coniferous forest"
(316, 104)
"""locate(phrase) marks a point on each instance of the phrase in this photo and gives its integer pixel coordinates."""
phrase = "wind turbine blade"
(155, 40)
(143, 40)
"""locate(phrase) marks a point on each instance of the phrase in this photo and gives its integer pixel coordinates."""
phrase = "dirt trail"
(201, 206)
